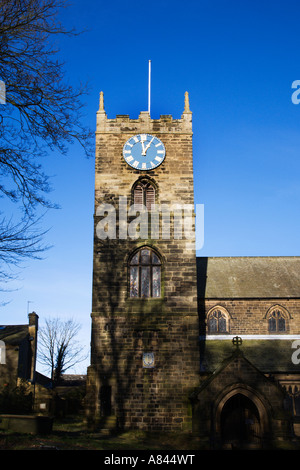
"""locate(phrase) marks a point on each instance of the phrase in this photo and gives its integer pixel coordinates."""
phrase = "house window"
(218, 322)
(144, 194)
(276, 321)
(145, 274)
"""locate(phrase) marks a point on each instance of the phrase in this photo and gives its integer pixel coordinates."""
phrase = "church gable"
(239, 403)
(235, 369)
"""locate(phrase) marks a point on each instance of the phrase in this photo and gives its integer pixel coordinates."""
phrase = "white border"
(268, 337)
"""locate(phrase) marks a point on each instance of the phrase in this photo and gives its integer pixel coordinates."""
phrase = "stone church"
(202, 345)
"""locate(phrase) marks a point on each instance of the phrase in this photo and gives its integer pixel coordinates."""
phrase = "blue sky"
(237, 60)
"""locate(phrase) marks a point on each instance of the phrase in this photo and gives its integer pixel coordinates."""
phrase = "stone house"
(18, 356)
(18, 345)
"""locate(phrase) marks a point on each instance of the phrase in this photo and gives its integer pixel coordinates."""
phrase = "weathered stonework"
(124, 328)
(258, 381)
(244, 394)
(249, 316)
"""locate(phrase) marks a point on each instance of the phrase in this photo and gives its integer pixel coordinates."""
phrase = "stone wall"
(250, 316)
(125, 328)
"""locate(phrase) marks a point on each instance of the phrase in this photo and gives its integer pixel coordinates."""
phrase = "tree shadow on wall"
(119, 333)
(120, 336)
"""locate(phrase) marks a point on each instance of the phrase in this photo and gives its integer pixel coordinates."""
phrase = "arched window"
(144, 194)
(218, 321)
(145, 274)
(276, 321)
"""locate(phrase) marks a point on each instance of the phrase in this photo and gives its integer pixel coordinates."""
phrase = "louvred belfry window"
(145, 274)
(144, 195)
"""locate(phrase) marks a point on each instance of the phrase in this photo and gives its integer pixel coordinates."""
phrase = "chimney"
(33, 319)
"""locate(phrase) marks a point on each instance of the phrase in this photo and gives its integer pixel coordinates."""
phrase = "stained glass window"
(156, 281)
(145, 274)
(134, 281)
(145, 256)
(217, 322)
(276, 322)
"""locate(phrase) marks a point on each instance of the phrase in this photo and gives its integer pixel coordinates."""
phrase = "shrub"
(15, 400)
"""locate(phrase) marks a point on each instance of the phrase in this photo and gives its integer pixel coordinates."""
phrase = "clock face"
(144, 152)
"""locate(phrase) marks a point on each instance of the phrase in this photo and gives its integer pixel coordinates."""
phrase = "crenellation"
(169, 362)
(162, 323)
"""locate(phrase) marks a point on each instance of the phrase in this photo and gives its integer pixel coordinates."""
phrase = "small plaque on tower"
(148, 360)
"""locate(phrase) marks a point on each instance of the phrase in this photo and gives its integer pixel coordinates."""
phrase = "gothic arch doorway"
(241, 418)
(240, 422)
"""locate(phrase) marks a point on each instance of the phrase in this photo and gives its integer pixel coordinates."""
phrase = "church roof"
(269, 356)
(248, 277)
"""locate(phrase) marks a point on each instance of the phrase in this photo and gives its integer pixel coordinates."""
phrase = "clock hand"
(144, 150)
(148, 145)
(143, 147)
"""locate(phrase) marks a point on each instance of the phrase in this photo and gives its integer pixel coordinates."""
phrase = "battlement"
(164, 125)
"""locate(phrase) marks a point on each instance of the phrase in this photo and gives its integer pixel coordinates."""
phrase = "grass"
(71, 434)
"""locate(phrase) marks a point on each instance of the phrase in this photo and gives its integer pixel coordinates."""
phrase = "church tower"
(144, 347)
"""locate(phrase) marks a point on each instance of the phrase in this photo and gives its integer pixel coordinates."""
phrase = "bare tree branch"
(19, 241)
(57, 348)
(41, 111)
